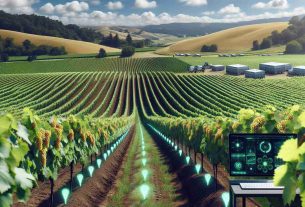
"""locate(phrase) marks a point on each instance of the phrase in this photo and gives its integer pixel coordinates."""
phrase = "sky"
(146, 12)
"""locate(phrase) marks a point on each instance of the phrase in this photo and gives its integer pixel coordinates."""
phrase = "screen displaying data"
(255, 155)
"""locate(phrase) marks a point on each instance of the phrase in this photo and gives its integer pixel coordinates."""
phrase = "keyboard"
(257, 186)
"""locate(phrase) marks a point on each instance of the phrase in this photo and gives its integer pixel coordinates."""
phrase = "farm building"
(298, 71)
(255, 73)
(236, 69)
(218, 67)
(275, 68)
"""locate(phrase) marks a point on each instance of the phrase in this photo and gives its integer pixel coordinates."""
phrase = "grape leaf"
(5, 147)
(284, 176)
(5, 178)
(289, 151)
(23, 179)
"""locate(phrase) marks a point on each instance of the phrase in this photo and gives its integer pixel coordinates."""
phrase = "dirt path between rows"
(95, 190)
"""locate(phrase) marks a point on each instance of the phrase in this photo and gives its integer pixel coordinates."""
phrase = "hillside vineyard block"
(218, 67)
(298, 71)
(255, 74)
(275, 68)
(236, 69)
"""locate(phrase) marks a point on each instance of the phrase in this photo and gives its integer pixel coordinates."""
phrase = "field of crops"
(78, 111)
(94, 64)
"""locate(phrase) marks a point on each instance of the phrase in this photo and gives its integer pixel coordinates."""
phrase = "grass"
(251, 61)
(231, 40)
(72, 46)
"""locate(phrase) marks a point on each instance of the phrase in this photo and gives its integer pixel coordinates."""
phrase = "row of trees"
(42, 25)
(127, 51)
(9, 48)
(209, 48)
(115, 41)
(293, 37)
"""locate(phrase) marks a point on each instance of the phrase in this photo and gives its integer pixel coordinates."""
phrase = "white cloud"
(98, 18)
(229, 9)
(115, 5)
(195, 2)
(48, 8)
(273, 4)
(145, 4)
(208, 13)
(93, 2)
(68, 9)
(18, 6)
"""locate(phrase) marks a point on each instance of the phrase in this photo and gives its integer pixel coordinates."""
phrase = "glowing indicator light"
(180, 152)
(176, 148)
(265, 164)
(105, 156)
(198, 167)
(226, 198)
(207, 178)
(144, 191)
(91, 169)
(99, 162)
(145, 174)
(80, 179)
(187, 159)
(65, 194)
(108, 152)
(144, 161)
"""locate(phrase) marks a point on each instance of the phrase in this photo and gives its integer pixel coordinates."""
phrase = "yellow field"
(237, 39)
(72, 46)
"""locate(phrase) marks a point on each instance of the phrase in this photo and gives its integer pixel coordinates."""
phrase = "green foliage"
(35, 148)
(266, 43)
(127, 52)
(209, 48)
(102, 53)
(294, 47)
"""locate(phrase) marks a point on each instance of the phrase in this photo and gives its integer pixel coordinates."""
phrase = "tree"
(289, 35)
(294, 47)
(276, 38)
(129, 39)
(27, 44)
(213, 48)
(209, 48)
(102, 53)
(4, 57)
(127, 51)
(32, 58)
(294, 20)
(266, 43)
(8, 42)
(116, 41)
(256, 45)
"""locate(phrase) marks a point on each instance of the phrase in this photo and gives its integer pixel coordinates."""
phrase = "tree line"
(41, 25)
(9, 48)
(293, 37)
(115, 41)
(209, 48)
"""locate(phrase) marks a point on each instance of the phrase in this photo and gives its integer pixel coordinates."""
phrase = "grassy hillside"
(232, 40)
(72, 46)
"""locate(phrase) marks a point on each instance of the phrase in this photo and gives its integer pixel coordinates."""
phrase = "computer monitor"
(255, 154)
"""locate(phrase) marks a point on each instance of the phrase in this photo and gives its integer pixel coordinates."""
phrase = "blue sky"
(143, 12)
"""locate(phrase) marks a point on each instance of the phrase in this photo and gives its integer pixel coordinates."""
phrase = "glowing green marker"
(65, 194)
(105, 156)
(99, 162)
(145, 174)
(176, 148)
(207, 178)
(226, 198)
(91, 169)
(144, 161)
(180, 152)
(80, 178)
(144, 191)
(198, 167)
(187, 159)
(143, 153)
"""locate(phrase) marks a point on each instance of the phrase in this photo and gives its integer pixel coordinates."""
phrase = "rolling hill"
(71, 46)
(238, 39)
